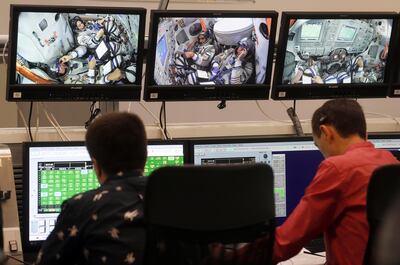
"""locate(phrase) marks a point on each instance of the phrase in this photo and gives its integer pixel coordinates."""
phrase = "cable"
(384, 115)
(29, 121)
(53, 121)
(37, 120)
(286, 106)
(165, 122)
(4, 53)
(296, 122)
(59, 127)
(23, 120)
(129, 106)
(94, 112)
(161, 121)
(294, 105)
(155, 120)
(14, 258)
(266, 115)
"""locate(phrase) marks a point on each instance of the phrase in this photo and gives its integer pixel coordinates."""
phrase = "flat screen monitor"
(328, 55)
(293, 160)
(394, 90)
(56, 171)
(390, 142)
(60, 53)
(209, 55)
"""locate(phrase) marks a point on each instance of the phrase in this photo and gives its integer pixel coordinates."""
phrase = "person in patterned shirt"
(105, 225)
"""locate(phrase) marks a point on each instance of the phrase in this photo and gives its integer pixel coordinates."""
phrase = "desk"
(305, 259)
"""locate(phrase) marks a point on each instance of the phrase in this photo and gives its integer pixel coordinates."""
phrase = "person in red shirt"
(335, 201)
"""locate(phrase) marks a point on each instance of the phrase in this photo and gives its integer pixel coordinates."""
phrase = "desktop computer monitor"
(293, 160)
(390, 142)
(56, 171)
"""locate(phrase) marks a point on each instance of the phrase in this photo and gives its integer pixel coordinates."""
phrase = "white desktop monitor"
(56, 171)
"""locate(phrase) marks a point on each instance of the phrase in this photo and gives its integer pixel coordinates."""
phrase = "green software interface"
(59, 181)
(154, 162)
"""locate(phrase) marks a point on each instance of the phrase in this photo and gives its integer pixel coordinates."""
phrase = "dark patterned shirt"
(101, 226)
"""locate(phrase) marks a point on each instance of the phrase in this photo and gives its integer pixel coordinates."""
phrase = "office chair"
(201, 215)
(383, 188)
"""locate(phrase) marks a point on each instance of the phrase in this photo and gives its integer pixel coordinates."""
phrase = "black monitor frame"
(71, 92)
(282, 91)
(154, 92)
(394, 90)
(32, 246)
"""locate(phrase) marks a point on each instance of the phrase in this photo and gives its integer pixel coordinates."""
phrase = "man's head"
(58, 69)
(336, 124)
(117, 143)
(78, 23)
(203, 37)
(247, 45)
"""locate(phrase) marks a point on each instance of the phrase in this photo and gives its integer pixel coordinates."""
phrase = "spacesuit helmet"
(247, 44)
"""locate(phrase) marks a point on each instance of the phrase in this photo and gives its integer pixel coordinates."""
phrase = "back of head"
(118, 142)
(345, 115)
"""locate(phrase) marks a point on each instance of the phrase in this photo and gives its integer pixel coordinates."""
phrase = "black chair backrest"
(188, 208)
(383, 189)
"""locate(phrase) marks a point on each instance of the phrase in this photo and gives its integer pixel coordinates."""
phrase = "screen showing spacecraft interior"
(336, 51)
(68, 48)
(211, 51)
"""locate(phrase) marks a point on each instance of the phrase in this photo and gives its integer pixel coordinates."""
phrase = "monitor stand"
(11, 231)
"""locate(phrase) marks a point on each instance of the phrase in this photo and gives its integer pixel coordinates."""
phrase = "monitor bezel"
(394, 89)
(32, 246)
(70, 92)
(261, 139)
(325, 91)
(154, 92)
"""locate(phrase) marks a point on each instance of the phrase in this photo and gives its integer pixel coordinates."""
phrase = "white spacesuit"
(71, 69)
(199, 58)
(235, 65)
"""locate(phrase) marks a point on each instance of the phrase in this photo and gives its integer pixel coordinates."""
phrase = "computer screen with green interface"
(56, 171)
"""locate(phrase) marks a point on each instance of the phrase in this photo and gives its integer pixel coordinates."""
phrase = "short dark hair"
(74, 20)
(345, 115)
(118, 142)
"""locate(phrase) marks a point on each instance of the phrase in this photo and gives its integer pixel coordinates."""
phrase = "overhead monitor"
(328, 55)
(208, 55)
(65, 53)
(293, 160)
(56, 171)
(394, 90)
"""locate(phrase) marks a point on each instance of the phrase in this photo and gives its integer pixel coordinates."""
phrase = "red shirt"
(334, 204)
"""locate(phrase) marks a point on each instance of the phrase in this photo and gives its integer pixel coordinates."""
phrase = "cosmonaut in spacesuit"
(88, 33)
(73, 69)
(234, 65)
(198, 58)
